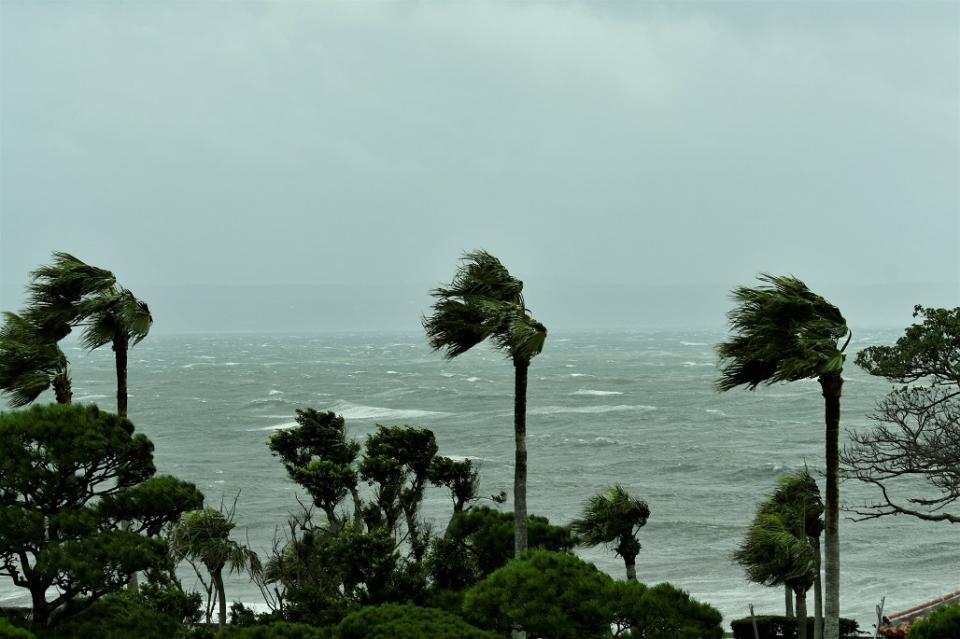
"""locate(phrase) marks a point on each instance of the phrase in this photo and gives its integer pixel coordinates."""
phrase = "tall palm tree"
(485, 301)
(774, 553)
(118, 318)
(782, 332)
(203, 536)
(30, 363)
(613, 516)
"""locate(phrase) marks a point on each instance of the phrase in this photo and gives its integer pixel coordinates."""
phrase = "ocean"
(637, 408)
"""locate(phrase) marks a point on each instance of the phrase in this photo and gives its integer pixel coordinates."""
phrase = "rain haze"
(295, 166)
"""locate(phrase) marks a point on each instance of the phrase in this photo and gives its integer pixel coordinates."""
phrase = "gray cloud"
(620, 157)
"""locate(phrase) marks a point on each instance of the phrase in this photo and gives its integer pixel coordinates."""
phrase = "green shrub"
(117, 616)
(781, 627)
(276, 630)
(402, 621)
(547, 594)
(9, 631)
(662, 612)
(941, 624)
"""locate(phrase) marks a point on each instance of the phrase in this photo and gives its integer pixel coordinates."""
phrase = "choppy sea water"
(635, 408)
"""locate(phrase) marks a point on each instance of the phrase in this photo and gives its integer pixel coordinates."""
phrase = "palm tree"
(782, 333)
(486, 301)
(203, 536)
(797, 498)
(30, 359)
(116, 317)
(30, 363)
(774, 553)
(614, 516)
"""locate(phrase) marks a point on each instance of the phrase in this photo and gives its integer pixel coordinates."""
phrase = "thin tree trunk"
(221, 598)
(631, 564)
(802, 615)
(520, 467)
(788, 601)
(817, 595)
(62, 388)
(120, 346)
(832, 386)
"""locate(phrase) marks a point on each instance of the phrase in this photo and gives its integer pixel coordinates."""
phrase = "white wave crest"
(358, 411)
(84, 398)
(596, 393)
(590, 410)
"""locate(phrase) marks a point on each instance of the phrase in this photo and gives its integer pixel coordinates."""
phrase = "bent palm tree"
(203, 536)
(486, 301)
(30, 363)
(116, 317)
(774, 553)
(782, 333)
(58, 290)
(614, 516)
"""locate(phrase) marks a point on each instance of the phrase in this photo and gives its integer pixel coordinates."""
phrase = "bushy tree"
(480, 540)
(369, 550)
(118, 616)
(916, 435)
(941, 624)
(661, 612)
(545, 594)
(10, 631)
(398, 621)
(276, 630)
(69, 475)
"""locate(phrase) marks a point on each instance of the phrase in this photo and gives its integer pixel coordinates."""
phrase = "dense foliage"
(915, 435)
(395, 621)
(941, 624)
(781, 627)
(69, 475)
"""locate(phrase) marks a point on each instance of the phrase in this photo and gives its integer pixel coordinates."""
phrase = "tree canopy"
(69, 476)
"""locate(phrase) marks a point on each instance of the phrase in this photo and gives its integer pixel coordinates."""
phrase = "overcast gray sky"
(293, 165)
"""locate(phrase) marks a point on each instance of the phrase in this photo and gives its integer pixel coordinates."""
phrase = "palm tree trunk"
(802, 615)
(63, 389)
(817, 595)
(221, 598)
(521, 367)
(788, 601)
(832, 385)
(631, 564)
(120, 347)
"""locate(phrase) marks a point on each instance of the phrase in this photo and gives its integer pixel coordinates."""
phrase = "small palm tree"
(203, 537)
(118, 318)
(782, 333)
(613, 516)
(773, 553)
(485, 301)
(30, 363)
(797, 499)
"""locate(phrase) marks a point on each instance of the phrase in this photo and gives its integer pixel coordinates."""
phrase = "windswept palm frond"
(29, 361)
(57, 289)
(772, 554)
(781, 332)
(483, 301)
(612, 515)
(116, 312)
